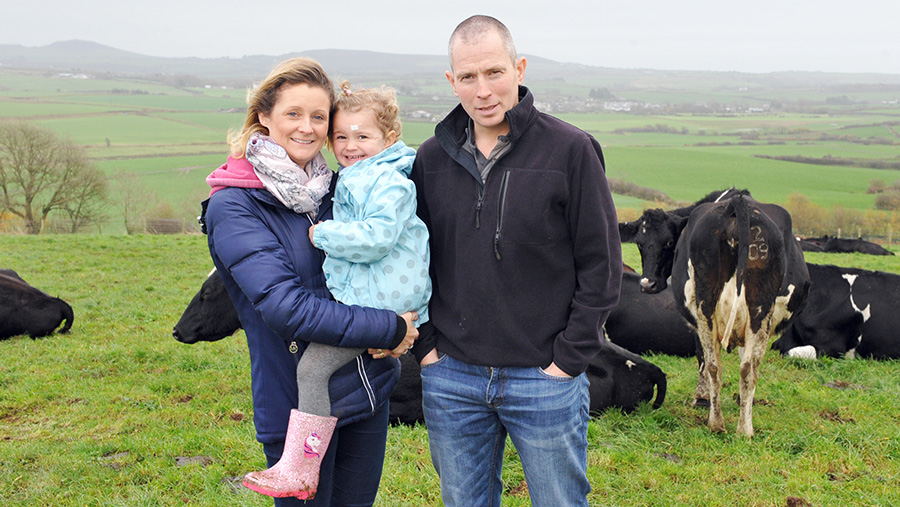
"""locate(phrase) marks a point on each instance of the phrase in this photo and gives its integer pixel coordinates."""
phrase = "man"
(526, 266)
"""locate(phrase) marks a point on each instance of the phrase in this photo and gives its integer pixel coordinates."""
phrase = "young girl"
(377, 255)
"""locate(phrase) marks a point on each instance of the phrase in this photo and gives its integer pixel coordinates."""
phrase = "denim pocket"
(441, 359)
(554, 377)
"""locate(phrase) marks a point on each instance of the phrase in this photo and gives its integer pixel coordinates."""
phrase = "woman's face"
(299, 121)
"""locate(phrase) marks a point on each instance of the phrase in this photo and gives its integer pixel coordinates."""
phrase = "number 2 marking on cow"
(758, 249)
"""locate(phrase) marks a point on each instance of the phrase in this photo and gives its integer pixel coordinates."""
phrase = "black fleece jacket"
(526, 265)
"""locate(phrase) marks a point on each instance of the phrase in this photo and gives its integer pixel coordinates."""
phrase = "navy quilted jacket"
(274, 278)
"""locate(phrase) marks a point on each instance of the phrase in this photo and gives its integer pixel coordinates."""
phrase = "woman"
(257, 227)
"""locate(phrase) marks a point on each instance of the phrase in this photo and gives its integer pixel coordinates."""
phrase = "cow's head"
(210, 316)
(655, 233)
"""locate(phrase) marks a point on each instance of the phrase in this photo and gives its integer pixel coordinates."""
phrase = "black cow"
(209, 316)
(618, 378)
(738, 276)
(622, 379)
(830, 244)
(643, 323)
(808, 246)
(849, 313)
(27, 310)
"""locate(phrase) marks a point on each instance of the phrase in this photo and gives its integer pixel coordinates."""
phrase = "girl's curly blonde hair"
(382, 101)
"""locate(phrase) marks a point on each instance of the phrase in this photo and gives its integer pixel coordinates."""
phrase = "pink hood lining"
(235, 172)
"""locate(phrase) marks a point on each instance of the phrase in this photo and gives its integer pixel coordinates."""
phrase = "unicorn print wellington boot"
(297, 472)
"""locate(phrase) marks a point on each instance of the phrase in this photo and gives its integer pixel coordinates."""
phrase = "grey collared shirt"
(484, 164)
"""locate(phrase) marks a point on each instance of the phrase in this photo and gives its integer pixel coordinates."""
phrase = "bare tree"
(41, 173)
(88, 200)
(134, 201)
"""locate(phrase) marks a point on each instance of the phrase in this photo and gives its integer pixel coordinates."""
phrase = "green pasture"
(688, 177)
(23, 109)
(117, 413)
(130, 128)
(23, 83)
(178, 101)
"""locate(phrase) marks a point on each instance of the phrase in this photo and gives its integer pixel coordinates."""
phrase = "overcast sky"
(722, 35)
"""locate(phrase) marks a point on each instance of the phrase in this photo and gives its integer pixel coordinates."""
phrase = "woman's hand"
(412, 334)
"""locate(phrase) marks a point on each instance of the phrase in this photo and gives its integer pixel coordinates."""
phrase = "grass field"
(117, 413)
(163, 133)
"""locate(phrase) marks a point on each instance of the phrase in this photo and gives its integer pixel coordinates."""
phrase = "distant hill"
(80, 56)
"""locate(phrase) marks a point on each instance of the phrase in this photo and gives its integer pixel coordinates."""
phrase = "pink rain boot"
(297, 472)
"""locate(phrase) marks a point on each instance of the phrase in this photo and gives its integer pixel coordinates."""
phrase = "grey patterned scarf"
(300, 189)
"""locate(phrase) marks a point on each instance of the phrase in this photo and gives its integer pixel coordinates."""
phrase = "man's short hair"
(472, 29)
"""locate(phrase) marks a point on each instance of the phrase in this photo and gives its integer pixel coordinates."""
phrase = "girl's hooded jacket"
(274, 278)
(376, 246)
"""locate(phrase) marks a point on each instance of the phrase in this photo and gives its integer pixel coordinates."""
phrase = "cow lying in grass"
(850, 313)
(27, 310)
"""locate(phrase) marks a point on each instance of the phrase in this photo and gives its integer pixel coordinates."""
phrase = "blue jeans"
(351, 468)
(469, 410)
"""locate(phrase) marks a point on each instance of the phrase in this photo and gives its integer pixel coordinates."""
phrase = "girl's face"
(299, 121)
(357, 136)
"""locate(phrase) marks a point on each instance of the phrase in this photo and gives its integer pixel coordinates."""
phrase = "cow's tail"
(68, 315)
(741, 210)
(660, 389)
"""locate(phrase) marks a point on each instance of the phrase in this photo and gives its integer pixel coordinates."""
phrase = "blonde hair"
(261, 98)
(382, 101)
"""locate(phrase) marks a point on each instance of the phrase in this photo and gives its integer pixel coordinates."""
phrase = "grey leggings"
(316, 366)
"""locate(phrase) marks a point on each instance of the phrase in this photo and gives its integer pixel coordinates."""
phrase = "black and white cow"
(27, 310)
(643, 323)
(849, 313)
(738, 276)
(618, 378)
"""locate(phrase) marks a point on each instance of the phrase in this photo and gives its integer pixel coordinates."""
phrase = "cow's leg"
(753, 354)
(713, 356)
(701, 393)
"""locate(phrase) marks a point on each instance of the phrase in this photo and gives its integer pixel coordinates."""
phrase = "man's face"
(486, 82)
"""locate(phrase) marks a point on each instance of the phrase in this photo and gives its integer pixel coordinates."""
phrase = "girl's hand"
(311, 227)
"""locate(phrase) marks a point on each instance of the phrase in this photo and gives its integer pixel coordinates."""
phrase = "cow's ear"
(681, 223)
(628, 230)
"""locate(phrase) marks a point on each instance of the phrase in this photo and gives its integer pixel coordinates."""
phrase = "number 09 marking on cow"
(758, 249)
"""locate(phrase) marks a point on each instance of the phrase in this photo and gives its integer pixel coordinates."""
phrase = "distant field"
(172, 137)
